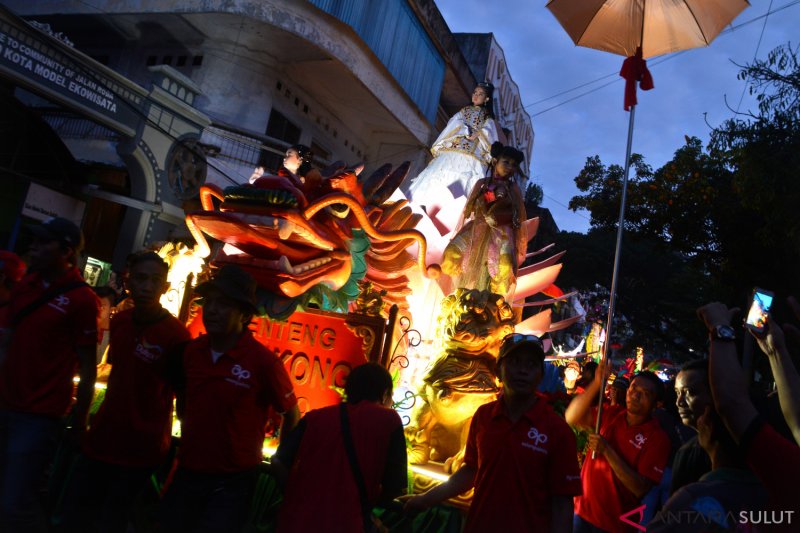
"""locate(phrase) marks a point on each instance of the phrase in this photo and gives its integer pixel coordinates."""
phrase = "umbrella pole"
(614, 277)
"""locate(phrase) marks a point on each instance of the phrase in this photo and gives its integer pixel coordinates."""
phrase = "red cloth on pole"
(634, 69)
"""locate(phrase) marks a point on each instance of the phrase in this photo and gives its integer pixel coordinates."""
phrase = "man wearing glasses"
(520, 455)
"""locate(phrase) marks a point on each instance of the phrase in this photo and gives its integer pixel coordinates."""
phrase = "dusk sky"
(543, 61)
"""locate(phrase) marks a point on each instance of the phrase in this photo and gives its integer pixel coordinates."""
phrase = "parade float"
(349, 272)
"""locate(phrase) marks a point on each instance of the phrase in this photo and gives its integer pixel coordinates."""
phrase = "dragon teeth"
(285, 229)
(284, 265)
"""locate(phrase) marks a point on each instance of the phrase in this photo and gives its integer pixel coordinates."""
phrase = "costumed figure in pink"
(461, 154)
(490, 241)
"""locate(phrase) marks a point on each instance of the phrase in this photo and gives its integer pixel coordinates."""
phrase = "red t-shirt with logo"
(644, 447)
(228, 404)
(133, 425)
(520, 466)
(41, 358)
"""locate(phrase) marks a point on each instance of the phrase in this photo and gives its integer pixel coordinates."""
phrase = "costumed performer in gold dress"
(491, 241)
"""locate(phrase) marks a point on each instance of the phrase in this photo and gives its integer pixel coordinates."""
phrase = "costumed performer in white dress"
(461, 154)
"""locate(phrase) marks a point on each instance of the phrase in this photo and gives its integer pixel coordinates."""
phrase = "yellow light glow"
(182, 261)
(269, 451)
(97, 384)
(433, 474)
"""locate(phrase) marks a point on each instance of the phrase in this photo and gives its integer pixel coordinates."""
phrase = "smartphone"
(758, 314)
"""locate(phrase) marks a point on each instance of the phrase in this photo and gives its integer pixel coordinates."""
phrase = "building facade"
(488, 62)
(208, 91)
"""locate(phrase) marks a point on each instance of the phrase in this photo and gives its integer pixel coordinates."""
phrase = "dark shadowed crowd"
(693, 455)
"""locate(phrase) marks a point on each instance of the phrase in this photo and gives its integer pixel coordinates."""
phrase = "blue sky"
(543, 61)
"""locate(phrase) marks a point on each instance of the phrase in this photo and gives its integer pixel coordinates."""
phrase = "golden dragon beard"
(472, 324)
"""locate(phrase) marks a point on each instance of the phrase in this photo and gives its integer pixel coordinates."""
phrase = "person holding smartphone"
(773, 458)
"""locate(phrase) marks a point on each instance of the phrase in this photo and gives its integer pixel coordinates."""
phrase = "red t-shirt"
(776, 462)
(42, 357)
(320, 469)
(644, 447)
(228, 404)
(520, 466)
(133, 425)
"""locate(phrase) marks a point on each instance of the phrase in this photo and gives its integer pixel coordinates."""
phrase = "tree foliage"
(534, 194)
(762, 149)
(721, 219)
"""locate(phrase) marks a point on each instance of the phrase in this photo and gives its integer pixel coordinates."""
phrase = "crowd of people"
(733, 472)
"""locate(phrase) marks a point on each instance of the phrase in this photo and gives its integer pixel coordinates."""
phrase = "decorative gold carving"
(423, 483)
(367, 335)
(471, 325)
(369, 301)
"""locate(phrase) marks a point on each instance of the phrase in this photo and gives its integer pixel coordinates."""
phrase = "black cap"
(621, 382)
(530, 344)
(59, 229)
(234, 283)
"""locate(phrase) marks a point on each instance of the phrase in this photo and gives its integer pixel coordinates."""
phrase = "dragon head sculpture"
(329, 237)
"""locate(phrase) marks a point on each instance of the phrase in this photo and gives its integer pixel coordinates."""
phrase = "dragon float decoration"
(344, 243)
(312, 248)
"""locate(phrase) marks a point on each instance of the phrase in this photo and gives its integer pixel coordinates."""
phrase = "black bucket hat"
(234, 283)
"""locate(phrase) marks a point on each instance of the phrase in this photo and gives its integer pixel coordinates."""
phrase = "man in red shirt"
(52, 319)
(521, 457)
(232, 382)
(630, 453)
(11, 271)
(317, 455)
(130, 434)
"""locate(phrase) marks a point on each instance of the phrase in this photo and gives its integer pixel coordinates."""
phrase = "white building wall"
(509, 111)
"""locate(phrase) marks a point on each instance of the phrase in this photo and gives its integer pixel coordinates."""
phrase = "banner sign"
(319, 349)
(48, 67)
(42, 203)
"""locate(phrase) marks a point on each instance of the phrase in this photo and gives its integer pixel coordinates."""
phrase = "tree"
(651, 292)
(725, 218)
(675, 205)
(534, 195)
(762, 149)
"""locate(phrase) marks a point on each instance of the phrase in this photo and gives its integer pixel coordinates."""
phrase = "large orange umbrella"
(638, 29)
(657, 26)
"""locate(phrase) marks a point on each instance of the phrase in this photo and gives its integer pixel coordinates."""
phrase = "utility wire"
(656, 62)
(755, 55)
(557, 202)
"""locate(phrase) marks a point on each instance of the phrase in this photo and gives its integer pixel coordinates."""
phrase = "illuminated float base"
(428, 476)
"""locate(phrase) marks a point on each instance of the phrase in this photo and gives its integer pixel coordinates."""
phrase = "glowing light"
(97, 384)
(182, 261)
(269, 451)
(428, 472)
